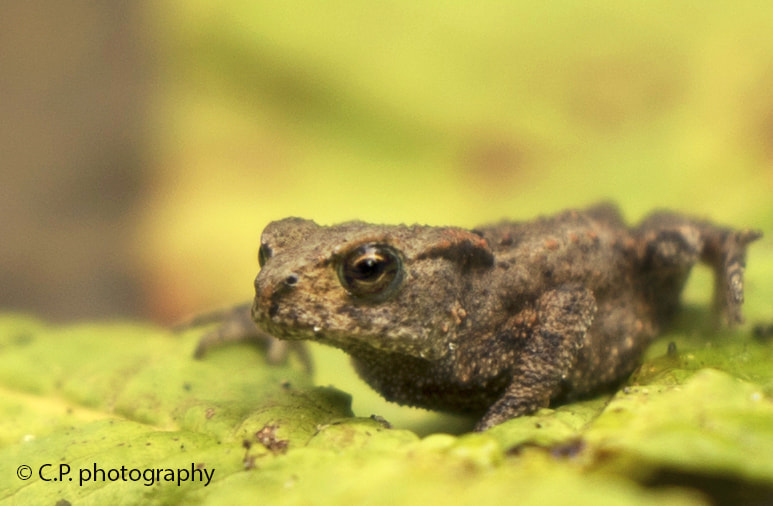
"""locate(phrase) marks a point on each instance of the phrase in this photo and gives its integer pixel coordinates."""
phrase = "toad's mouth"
(354, 341)
(287, 322)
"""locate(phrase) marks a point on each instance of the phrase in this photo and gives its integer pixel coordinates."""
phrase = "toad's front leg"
(235, 325)
(564, 316)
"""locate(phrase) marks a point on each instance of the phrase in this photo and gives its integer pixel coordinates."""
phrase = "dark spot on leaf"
(249, 461)
(569, 449)
(518, 450)
(267, 437)
(383, 421)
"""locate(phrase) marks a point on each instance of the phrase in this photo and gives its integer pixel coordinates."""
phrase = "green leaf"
(98, 397)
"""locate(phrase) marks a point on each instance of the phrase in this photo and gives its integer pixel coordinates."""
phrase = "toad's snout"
(268, 292)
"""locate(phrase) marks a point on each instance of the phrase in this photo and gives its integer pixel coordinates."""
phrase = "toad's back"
(635, 277)
(593, 250)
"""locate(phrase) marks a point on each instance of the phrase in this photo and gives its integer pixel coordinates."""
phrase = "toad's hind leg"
(670, 244)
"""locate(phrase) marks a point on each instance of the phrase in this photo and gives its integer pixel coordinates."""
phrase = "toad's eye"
(264, 253)
(371, 272)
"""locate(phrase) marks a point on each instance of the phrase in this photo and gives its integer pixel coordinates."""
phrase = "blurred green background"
(146, 144)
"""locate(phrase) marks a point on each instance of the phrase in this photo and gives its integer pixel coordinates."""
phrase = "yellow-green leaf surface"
(101, 397)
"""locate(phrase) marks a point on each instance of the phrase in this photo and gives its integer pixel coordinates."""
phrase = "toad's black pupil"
(368, 268)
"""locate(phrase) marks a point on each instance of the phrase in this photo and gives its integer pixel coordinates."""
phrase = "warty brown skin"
(496, 321)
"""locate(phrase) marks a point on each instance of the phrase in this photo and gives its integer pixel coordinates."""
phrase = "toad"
(496, 321)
